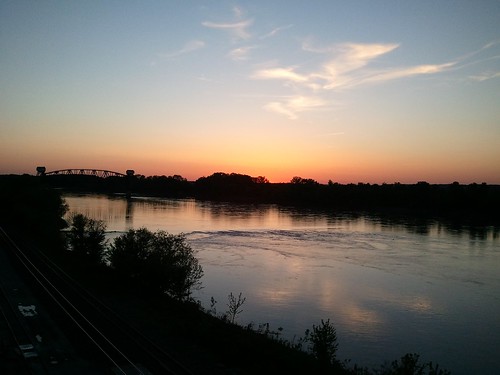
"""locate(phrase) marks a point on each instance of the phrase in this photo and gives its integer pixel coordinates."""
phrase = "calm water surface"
(389, 287)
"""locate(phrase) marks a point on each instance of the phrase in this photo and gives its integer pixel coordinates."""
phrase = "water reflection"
(109, 209)
(121, 214)
(129, 214)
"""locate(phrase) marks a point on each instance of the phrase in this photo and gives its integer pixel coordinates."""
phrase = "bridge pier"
(40, 171)
(130, 175)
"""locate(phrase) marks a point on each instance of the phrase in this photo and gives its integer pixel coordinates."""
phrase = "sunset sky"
(348, 91)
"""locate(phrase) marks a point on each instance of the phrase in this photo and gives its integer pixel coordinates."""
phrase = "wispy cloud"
(341, 71)
(344, 70)
(480, 50)
(238, 11)
(275, 31)
(293, 105)
(204, 79)
(485, 76)
(349, 59)
(347, 66)
(287, 74)
(241, 53)
(281, 109)
(237, 29)
(408, 72)
(190, 46)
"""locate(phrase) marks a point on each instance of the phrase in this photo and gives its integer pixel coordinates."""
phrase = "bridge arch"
(41, 171)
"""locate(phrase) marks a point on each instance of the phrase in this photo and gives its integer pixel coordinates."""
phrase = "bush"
(234, 306)
(160, 261)
(323, 339)
(87, 238)
(128, 253)
(409, 365)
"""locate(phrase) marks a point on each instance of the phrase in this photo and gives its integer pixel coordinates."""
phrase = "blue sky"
(372, 91)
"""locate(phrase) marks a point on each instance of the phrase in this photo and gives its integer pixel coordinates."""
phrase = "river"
(390, 287)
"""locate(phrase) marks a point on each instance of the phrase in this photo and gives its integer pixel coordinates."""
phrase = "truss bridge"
(41, 171)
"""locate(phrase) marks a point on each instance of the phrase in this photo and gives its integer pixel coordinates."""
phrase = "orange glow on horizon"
(343, 174)
(277, 165)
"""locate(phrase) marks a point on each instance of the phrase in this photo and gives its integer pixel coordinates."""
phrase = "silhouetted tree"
(323, 339)
(260, 180)
(87, 238)
(128, 252)
(161, 261)
(303, 181)
(233, 186)
(234, 306)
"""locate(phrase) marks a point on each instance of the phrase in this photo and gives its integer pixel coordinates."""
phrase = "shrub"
(323, 340)
(87, 238)
(234, 306)
(162, 262)
(128, 252)
(409, 365)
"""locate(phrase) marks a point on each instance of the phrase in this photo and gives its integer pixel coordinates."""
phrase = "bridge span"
(41, 171)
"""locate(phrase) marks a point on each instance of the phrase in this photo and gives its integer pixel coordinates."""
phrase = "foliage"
(128, 252)
(323, 342)
(213, 309)
(260, 180)
(87, 238)
(222, 179)
(29, 207)
(264, 329)
(234, 306)
(161, 261)
(409, 365)
(296, 180)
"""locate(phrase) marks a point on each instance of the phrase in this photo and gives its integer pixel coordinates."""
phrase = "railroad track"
(23, 359)
(114, 343)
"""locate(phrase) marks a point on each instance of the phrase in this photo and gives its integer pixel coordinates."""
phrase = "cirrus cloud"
(280, 73)
(293, 105)
(347, 65)
(237, 29)
(240, 53)
(190, 46)
(485, 76)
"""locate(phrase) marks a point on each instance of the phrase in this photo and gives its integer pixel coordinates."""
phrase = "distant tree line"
(473, 201)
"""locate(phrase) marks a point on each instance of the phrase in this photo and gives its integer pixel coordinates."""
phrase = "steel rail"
(14, 317)
(163, 361)
(35, 272)
(131, 332)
